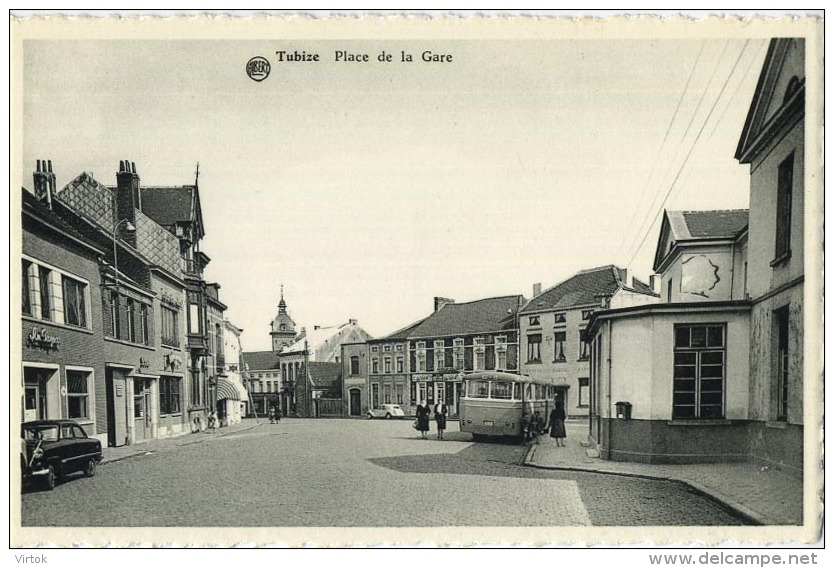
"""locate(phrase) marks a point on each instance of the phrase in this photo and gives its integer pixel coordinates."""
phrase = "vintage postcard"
(398, 280)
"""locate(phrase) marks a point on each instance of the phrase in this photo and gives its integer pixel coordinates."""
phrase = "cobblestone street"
(356, 473)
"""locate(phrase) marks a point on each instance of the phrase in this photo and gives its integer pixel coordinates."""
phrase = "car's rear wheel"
(388, 416)
(370, 416)
(49, 479)
(90, 469)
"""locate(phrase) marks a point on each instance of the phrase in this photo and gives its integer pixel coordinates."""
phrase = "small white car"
(387, 411)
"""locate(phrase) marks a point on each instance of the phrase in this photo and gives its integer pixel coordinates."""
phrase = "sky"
(366, 189)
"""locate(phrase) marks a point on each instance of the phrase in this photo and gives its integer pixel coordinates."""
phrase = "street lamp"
(128, 227)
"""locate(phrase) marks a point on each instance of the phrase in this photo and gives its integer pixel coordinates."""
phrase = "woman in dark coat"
(557, 422)
(423, 412)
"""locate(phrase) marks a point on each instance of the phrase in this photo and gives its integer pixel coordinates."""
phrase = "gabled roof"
(779, 98)
(323, 375)
(260, 360)
(490, 314)
(327, 337)
(171, 205)
(583, 288)
(680, 226)
(31, 205)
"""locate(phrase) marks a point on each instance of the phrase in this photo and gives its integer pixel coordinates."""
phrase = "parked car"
(52, 449)
(387, 411)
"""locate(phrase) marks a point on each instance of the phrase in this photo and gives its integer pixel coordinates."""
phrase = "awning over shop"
(229, 390)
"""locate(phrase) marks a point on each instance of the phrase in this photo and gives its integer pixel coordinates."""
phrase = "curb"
(145, 451)
(735, 507)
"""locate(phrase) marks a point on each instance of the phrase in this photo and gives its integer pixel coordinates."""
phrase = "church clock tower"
(282, 327)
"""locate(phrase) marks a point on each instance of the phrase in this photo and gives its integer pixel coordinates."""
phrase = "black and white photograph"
(397, 281)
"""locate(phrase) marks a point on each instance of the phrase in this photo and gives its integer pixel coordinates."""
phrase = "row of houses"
(120, 330)
(704, 362)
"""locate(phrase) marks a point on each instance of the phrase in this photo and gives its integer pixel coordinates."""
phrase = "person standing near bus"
(423, 412)
(440, 412)
(557, 422)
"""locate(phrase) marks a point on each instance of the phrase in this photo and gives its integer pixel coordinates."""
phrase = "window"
(559, 346)
(439, 355)
(170, 327)
(386, 348)
(534, 345)
(75, 305)
(386, 362)
(144, 326)
(400, 364)
(586, 314)
(458, 351)
(194, 320)
(669, 290)
(44, 276)
(501, 352)
(169, 395)
(584, 349)
(559, 318)
(501, 390)
(399, 347)
(26, 290)
(374, 349)
(781, 332)
(114, 314)
(584, 389)
(534, 320)
(77, 394)
(131, 320)
(480, 354)
(477, 389)
(784, 195)
(400, 388)
(218, 340)
(698, 389)
(354, 365)
(375, 365)
(421, 356)
(386, 394)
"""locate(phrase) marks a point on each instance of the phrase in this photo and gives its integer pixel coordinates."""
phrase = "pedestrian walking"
(557, 422)
(212, 421)
(272, 415)
(423, 412)
(440, 412)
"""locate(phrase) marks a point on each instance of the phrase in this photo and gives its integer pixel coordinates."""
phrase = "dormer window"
(559, 318)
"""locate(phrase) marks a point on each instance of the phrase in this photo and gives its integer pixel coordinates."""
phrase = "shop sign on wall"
(40, 337)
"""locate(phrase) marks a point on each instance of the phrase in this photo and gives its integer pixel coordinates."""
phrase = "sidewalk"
(110, 455)
(767, 496)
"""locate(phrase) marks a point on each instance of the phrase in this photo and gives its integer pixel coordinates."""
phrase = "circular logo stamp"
(258, 68)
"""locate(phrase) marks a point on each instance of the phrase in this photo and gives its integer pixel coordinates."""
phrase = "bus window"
(528, 391)
(517, 391)
(478, 389)
(501, 390)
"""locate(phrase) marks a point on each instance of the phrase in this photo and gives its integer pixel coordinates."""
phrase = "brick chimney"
(128, 198)
(440, 302)
(44, 181)
(353, 322)
(537, 289)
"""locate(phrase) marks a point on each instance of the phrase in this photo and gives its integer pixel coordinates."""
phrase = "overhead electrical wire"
(689, 154)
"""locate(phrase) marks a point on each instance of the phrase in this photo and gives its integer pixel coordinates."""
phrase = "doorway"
(35, 393)
(141, 409)
(355, 402)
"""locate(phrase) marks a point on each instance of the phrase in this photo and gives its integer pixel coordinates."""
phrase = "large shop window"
(52, 295)
(78, 406)
(699, 371)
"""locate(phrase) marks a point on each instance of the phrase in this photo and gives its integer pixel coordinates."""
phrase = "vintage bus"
(493, 402)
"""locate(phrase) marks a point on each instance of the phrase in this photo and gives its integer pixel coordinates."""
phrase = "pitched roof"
(402, 333)
(260, 360)
(583, 288)
(694, 225)
(490, 314)
(714, 224)
(642, 287)
(56, 217)
(169, 205)
(323, 374)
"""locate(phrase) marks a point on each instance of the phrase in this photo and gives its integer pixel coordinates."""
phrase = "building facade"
(354, 361)
(720, 376)
(552, 324)
(265, 388)
(140, 366)
(456, 339)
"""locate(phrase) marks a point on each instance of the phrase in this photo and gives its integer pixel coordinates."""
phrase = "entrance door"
(141, 409)
(375, 395)
(439, 393)
(355, 402)
(35, 393)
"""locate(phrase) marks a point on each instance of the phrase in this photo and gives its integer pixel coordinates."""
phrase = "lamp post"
(128, 227)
